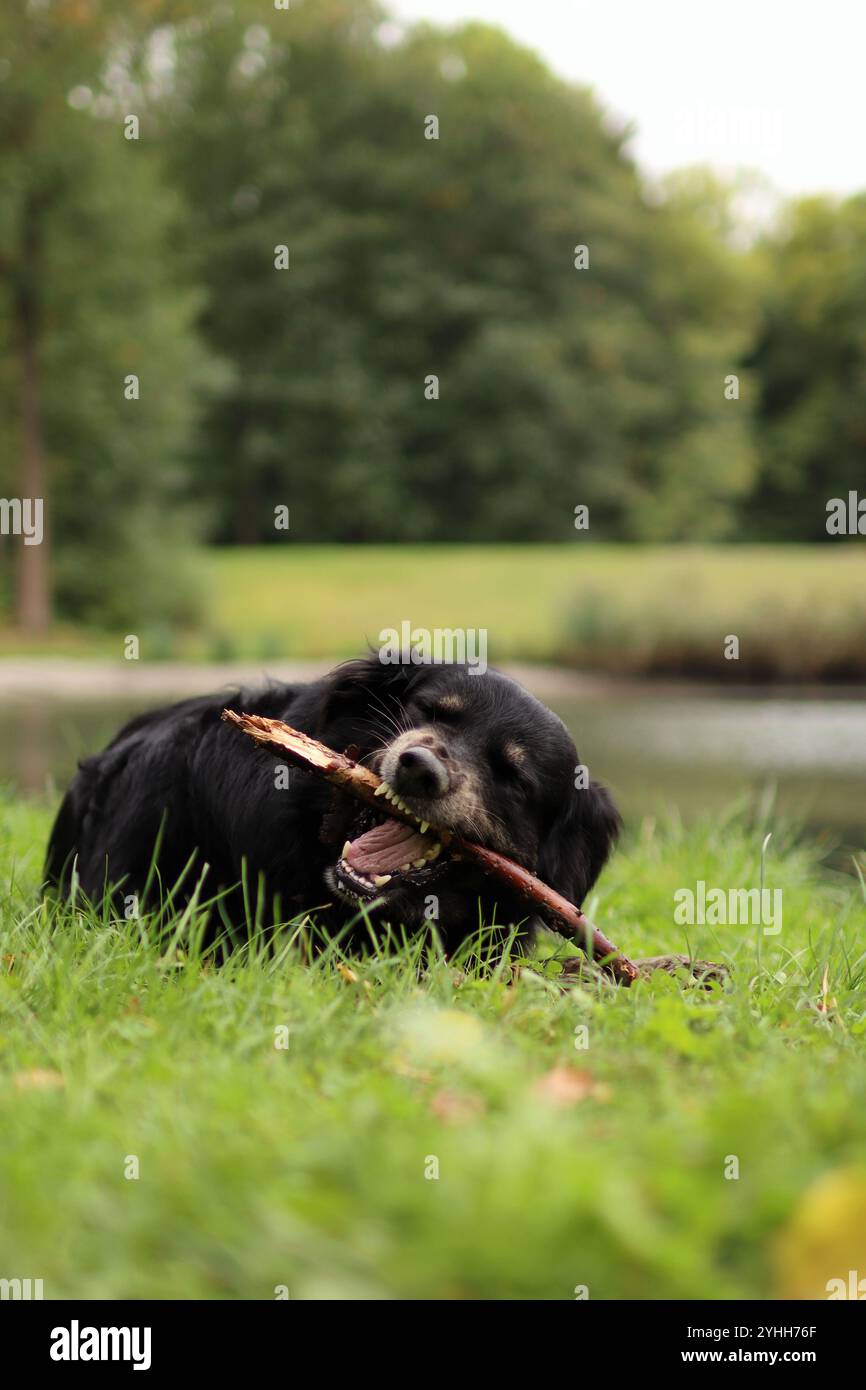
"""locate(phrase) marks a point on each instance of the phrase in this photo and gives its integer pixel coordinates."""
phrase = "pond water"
(699, 752)
(688, 749)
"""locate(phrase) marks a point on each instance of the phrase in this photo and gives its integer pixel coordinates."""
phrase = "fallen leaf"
(454, 1108)
(404, 1068)
(38, 1079)
(825, 1238)
(563, 1086)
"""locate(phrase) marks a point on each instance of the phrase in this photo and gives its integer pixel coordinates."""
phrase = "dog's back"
(136, 797)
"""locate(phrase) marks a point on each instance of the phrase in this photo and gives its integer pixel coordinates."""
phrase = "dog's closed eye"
(510, 760)
(449, 704)
(445, 710)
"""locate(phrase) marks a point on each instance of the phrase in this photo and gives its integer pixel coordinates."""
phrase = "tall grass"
(434, 1129)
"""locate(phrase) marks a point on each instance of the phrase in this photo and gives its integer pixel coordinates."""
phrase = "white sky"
(773, 85)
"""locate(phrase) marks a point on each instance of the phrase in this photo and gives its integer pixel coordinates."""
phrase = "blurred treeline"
(409, 257)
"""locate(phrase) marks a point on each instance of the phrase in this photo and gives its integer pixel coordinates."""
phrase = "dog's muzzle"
(420, 773)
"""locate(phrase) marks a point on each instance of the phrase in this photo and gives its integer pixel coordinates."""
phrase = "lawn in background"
(312, 1168)
(799, 612)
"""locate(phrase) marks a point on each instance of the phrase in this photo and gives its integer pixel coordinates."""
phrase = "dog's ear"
(363, 693)
(578, 844)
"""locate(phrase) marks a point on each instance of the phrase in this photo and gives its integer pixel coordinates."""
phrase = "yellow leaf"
(824, 1242)
(38, 1079)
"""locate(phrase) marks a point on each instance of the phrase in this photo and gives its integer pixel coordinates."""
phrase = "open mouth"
(384, 852)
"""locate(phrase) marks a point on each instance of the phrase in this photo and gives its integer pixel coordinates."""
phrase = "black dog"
(464, 751)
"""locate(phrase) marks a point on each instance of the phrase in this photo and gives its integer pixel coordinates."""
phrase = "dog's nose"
(420, 773)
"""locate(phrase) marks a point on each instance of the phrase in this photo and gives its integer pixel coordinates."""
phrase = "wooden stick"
(360, 782)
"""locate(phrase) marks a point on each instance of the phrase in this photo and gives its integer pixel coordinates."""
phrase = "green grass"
(799, 611)
(558, 1167)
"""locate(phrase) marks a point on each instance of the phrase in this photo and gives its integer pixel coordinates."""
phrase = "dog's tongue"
(386, 847)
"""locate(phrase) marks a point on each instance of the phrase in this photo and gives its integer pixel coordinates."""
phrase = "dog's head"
(467, 752)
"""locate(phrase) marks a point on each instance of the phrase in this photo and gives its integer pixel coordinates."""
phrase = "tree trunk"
(33, 595)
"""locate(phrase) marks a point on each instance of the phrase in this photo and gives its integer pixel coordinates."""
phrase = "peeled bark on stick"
(362, 783)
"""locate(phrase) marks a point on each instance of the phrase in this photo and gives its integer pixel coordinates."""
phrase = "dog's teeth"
(419, 863)
(436, 850)
(382, 789)
(392, 796)
(425, 825)
(381, 879)
(404, 868)
(346, 847)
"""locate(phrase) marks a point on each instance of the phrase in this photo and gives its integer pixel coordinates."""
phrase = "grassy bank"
(558, 1166)
(799, 612)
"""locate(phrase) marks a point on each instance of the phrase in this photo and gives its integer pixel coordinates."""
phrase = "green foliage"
(810, 362)
(452, 257)
(558, 1166)
(110, 301)
(409, 257)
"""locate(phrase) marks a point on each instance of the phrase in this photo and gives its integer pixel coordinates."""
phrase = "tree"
(453, 257)
(90, 295)
(809, 359)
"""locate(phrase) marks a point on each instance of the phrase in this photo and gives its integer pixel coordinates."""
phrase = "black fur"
(180, 779)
